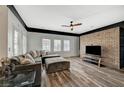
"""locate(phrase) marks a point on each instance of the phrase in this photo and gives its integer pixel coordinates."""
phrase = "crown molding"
(15, 12)
(50, 32)
(119, 24)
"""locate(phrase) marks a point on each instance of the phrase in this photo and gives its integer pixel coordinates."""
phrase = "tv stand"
(92, 58)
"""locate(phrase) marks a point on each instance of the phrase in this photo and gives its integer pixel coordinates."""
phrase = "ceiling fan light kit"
(72, 29)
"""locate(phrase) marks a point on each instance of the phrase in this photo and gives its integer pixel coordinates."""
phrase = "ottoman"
(48, 56)
(56, 64)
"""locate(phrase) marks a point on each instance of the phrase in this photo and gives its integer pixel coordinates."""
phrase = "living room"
(52, 46)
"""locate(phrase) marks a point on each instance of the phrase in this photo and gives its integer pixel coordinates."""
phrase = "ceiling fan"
(72, 25)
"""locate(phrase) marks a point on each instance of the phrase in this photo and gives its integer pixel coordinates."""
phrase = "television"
(95, 50)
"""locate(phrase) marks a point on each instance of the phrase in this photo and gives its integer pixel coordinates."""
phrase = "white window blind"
(16, 43)
(57, 45)
(66, 45)
(46, 44)
(24, 44)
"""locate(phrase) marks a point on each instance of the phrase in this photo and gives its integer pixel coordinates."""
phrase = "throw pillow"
(28, 56)
(33, 54)
(26, 61)
(15, 60)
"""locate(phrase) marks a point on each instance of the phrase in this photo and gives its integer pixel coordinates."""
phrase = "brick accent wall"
(109, 40)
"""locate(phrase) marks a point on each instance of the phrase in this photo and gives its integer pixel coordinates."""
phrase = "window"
(46, 44)
(24, 43)
(66, 45)
(57, 45)
(16, 43)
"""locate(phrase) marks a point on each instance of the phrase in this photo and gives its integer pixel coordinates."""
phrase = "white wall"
(3, 31)
(9, 22)
(35, 43)
(14, 24)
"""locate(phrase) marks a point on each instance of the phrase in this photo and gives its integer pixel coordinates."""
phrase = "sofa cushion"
(28, 56)
(27, 61)
(38, 53)
(33, 54)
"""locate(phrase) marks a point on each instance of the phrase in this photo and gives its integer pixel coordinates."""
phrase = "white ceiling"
(51, 17)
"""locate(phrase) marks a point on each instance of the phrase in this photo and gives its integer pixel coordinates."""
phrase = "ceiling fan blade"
(78, 24)
(65, 26)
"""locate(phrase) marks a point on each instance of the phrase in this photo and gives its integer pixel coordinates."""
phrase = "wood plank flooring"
(83, 74)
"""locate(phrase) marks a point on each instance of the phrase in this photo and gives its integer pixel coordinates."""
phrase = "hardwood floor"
(84, 74)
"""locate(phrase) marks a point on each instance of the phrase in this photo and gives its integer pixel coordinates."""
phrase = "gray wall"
(35, 43)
